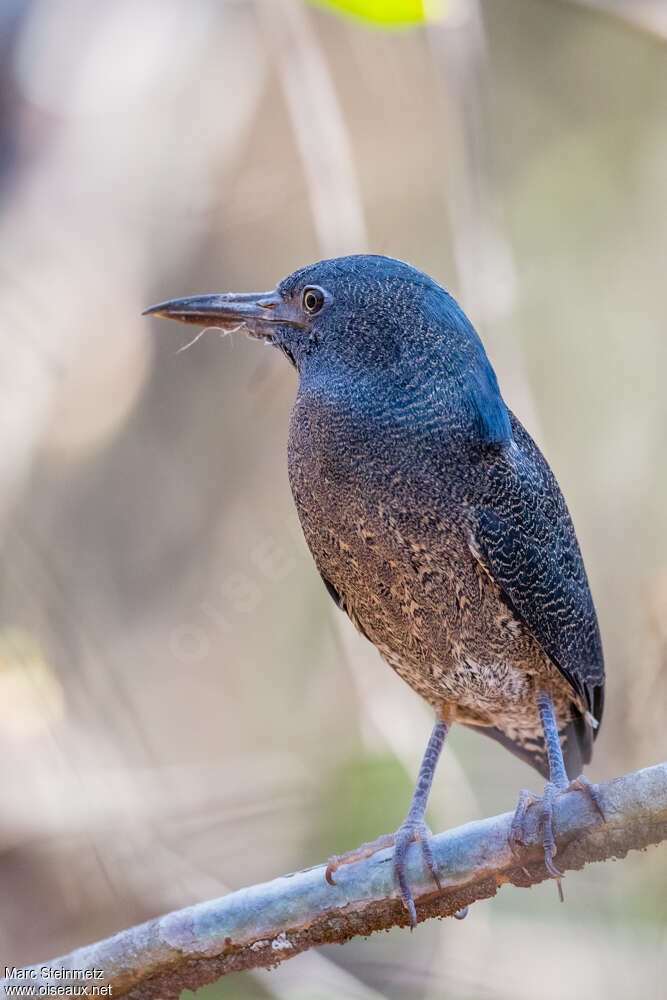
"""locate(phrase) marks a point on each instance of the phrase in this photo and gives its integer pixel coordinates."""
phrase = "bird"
(434, 521)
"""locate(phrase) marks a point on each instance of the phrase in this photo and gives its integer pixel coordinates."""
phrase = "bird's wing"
(526, 540)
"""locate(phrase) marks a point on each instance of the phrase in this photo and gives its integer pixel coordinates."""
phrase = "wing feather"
(526, 540)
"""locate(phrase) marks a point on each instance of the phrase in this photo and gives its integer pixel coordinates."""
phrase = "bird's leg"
(558, 782)
(413, 827)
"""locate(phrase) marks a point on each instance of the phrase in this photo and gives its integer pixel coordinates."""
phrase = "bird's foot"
(408, 832)
(546, 808)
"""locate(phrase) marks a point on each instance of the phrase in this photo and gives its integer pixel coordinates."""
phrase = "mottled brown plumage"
(404, 564)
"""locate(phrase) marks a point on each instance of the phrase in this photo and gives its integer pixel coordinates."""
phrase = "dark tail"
(576, 741)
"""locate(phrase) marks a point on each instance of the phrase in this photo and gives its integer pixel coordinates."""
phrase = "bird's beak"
(258, 312)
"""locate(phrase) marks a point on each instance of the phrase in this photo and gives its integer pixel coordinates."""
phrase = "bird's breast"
(394, 545)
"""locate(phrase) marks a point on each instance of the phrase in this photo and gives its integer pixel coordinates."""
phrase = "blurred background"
(182, 709)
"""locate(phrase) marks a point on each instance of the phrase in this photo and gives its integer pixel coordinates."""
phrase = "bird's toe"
(515, 837)
(359, 854)
(548, 840)
(412, 831)
(591, 791)
(517, 833)
(424, 838)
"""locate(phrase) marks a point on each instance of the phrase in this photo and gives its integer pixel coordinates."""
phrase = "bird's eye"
(313, 299)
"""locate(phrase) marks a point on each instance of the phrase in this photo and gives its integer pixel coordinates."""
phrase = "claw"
(550, 866)
(366, 850)
(559, 885)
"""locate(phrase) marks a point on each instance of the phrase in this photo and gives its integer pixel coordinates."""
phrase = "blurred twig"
(646, 15)
(319, 128)
(263, 925)
(484, 258)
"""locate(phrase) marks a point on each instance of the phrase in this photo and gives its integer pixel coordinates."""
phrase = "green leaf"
(389, 12)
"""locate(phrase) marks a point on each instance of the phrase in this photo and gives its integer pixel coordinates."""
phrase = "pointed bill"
(258, 312)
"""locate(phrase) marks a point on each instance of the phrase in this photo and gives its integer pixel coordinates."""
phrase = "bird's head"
(370, 316)
(359, 308)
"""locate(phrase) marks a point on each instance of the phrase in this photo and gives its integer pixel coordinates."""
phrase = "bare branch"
(263, 925)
